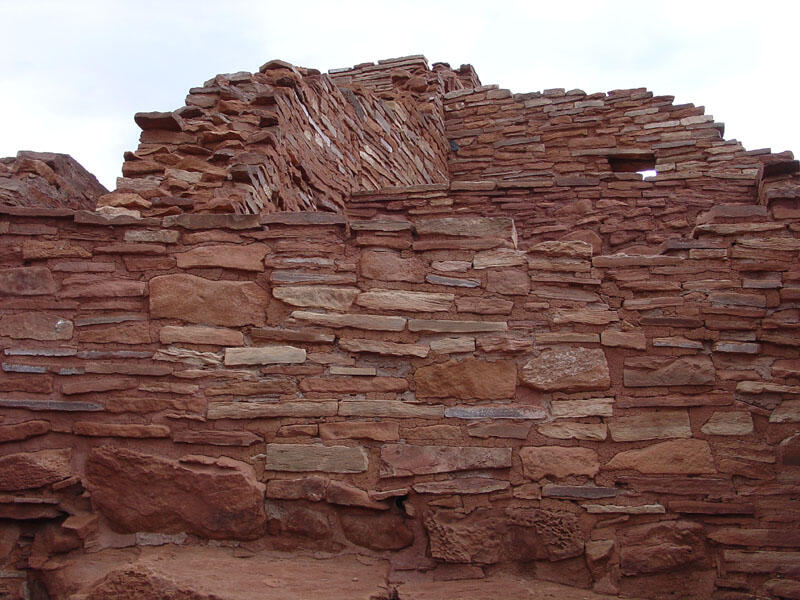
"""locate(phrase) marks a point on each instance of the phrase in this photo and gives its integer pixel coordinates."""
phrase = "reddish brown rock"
(658, 371)
(195, 334)
(27, 470)
(248, 257)
(388, 265)
(124, 430)
(401, 460)
(567, 370)
(86, 385)
(36, 326)
(112, 288)
(467, 379)
(386, 531)
(558, 461)
(26, 382)
(370, 430)
(198, 300)
(26, 281)
(22, 431)
(353, 384)
(508, 282)
(662, 546)
(677, 457)
(213, 498)
(345, 494)
(125, 333)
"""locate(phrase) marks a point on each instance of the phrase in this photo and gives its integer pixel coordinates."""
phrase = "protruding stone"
(264, 355)
(402, 460)
(650, 425)
(382, 531)
(677, 457)
(384, 348)
(379, 299)
(655, 371)
(381, 431)
(728, 423)
(326, 459)
(22, 431)
(196, 334)
(333, 298)
(558, 461)
(197, 300)
(467, 379)
(248, 257)
(370, 322)
(27, 281)
(577, 431)
(36, 326)
(388, 265)
(28, 470)
(567, 369)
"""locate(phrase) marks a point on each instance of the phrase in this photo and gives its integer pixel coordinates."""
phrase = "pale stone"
(402, 460)
(787, 412)
(668, 372)
(590, 407)
(464, 485)
(577, 431)
(651, 425)
(558, 461)
(442, 326)
(380, 431)
(389, 408)
(361, 371)
(327, 459)
(728, 423)
(567, 369)
(247, 257)
(36, 326)
(264, 355)
(496, 411)
(497, 227)
(500, 257)
(576, 248)
(197, 334)
(370, 322)
(379, 299)
(453, 345)
(641, 509)
(566, 337)
(269, 410)
(334, 298)
(467, 379)
(624, 339)
(676, 457)
(384, 348)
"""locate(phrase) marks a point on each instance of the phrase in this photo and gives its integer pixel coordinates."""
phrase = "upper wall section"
(292, 139)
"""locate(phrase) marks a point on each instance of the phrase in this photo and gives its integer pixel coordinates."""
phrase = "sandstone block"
(36, 326)
(508, 282)
(336, 385)
(22, 431)
(462, 485)
(111, 288)
(577, 431)
(467, 379)
(345, 494)
(444, 326)
(124, 430)
(590, 407)
(567, 370)
(198, 300)
(27, 281)
(28, 470)
(381, 431)
(481, 227)
(499, 257)
(650, 425)
(379, 299)
(453, 345)
(213, 437)
(402, 460)
(388, 265)
(384, 348)
(483, 306)
(369, 322)
(333, 298)
(213, 498)
(268, 410)
(728, 423)
(624, 339)
(326, 459)
(677, 457)
(248, 257)
(264, 355)
(389, 408)
(662, 546)
(787, 412)
(542, 461)
(386, 531)
(661, 372)
(196, 334)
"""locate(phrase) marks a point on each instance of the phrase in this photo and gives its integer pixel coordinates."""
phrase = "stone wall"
(453, 375)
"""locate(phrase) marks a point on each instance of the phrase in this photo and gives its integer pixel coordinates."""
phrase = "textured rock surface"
(567, 370)
(467, 379)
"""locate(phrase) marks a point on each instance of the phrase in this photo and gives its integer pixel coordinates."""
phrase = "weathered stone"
(333, 298)
(267, 410)
(248, 257)
(763, 561)
(379, 299)
(311, 277)
(25, 381)
(36, 326)
(327, 459)
(480, 227)
(443, 326)
(125, 430)
(345, 494)
(590, 407)
(566, 337)
(126, 333)
(335, 385)
(624, 339)
(214, 437)
(212, 498)
(377, 531)
(650, 425)
(86, 385)
(163, 236)
(577, 431)
(574, 248)
(577, 491)
(508, 282)
(381, 431)
(384, 348)
(558, 461)
(26, 281)
(483, 306)
(264, 355)
(467, 379)
(389, 408)
(22, 431)
(617, 509)
(370, 322)
(567, 370)
(291, 335)
(28, 470)
(198, 300)
(728, 423)
(787, 412)
(196, 334)
(462, 485)
(253, 388)
(452, 281)
(388, 265)
(496, 411)
(453, 345)
(499, 257)
(677, 457)
(517, 431)
(402, 460)
(305, 488)
(662, 546)
(213, 221)
(111, 288)
(660, 372)
(41, 249)
(590, 316)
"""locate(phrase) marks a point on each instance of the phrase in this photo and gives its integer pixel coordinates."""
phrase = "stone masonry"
(392, 312)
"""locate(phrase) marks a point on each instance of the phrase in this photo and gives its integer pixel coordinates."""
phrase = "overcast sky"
(73, 73)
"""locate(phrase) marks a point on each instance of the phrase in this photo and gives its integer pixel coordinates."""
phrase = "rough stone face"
(662, 546)
(557, 461)
(386, 348)
(264, 355)
(378, 299)
(657, 371)
(678, 457)
(196, 334)
(386, 531)
(26, 281)
(388, 265)
(370, 322)
(401, 460)
(36, 326)
(578, 431)
(317, 296)
(652, 425)
(27, 470)
(370, 430)
(567, 370)
(467, 379)
(248, 257)
(213, 498)
(728, 423)
(23, 431)
(326, 459)
(197, 300)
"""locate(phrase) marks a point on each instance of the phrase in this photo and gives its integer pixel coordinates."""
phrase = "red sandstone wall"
(454, 375)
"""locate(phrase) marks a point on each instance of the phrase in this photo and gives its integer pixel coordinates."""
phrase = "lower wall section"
(414, 389)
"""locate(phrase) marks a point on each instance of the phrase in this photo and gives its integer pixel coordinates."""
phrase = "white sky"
(73, 72)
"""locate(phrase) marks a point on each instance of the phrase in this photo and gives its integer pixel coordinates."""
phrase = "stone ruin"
(387, 332)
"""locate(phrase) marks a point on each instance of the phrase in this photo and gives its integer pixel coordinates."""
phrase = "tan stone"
(787, 412)
(638, 509)
(326, 459)
(40, 249)
(317, 296)
(567, 369)
(650, 425)
(264, 355)
(35, 326)
(624, 339)
(197, 300)
(197, 334)
(28, 470)
(248, 257)
(728, 423)
(676, 457)
(577, 431)
(453, 345)
(388, 265)
(576, 248)
(125, 430)
(558, 461)
(499, 257)
(370, 430)
(384, 348)
(370, 322)
(379, 299)
(508, 282)
(462, 485)
(402, 460)
(663, 371)
(269, 410)
(590, 407)
(467, 379)
(491, 227)
(443, 326)
(389, 408)
(586, 316)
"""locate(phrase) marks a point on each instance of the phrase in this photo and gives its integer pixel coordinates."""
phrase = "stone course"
(391, 311)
